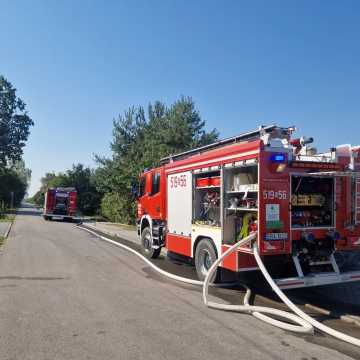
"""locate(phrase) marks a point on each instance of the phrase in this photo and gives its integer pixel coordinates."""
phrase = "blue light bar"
(278, 158)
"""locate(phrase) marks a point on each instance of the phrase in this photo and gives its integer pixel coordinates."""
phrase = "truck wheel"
(146, 243)
(46, 217)
(205, 256)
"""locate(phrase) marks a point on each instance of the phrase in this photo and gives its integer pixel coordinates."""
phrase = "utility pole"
(12, 200)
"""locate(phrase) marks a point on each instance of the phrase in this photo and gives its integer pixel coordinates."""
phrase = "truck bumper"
(59, 217)
(318, 279)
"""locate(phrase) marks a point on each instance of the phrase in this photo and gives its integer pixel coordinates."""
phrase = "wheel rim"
(147, 243)
(205, 261)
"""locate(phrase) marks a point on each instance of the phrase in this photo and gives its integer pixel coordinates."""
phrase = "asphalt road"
(66, 295)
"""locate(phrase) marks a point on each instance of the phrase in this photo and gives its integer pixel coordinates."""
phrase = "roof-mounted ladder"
(228, 141)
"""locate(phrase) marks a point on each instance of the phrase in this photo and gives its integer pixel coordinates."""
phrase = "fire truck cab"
(303, 205)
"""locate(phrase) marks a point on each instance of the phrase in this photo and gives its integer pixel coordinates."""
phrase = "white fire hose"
(306, 323)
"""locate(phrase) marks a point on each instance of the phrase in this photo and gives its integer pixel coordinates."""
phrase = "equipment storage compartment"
(206, 201)
(312, 201)
(240, 202)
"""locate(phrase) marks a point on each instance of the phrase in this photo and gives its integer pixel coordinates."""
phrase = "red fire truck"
(304, 206)
(60, 203)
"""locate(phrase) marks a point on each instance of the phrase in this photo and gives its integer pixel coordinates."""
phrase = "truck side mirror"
(135, 190)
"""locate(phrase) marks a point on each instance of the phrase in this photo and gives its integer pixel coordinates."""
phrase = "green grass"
(2, 240)
(7, 218)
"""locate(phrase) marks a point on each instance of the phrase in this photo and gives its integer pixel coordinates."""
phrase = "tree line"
(15, 126)
(140, 138)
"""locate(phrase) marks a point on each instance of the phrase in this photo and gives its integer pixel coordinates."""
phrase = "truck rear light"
(277, 162)
(280, 168)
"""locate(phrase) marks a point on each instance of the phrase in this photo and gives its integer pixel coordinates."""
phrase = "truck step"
(318, 263)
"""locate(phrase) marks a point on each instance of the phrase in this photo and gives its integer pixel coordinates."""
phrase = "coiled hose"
(306, 323)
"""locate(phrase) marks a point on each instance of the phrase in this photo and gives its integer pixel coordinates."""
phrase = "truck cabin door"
(155, 198)
(144, 194)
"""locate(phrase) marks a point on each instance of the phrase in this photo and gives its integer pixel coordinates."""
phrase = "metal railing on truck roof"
(228, 141)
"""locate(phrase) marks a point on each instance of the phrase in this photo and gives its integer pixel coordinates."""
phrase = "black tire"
(205, 256)
(146, 245)
(46, 217)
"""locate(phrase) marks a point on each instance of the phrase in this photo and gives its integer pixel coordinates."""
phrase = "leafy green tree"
(15, 124)
(82, 178)
(12, 189)
(37, 199)
(140, 140)
(23, 172)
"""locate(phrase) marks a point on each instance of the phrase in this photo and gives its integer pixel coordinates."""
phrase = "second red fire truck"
(303, 205)
(60, 203)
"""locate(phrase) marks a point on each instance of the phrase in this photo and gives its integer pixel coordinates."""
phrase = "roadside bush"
(89, 202)
(116, 208)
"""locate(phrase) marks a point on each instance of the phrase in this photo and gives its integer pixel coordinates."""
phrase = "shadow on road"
(28, 209)
(28, 212)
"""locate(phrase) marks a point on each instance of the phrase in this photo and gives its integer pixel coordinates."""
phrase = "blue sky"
(78, 64)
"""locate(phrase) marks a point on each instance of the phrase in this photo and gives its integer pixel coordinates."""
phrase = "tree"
(12, 189)
(38, 198)
(15, 124)
(82, 178)
(23, 172)
(139, 142)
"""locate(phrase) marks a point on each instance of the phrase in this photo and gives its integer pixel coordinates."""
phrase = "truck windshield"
(155, 186)
(142, 186)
